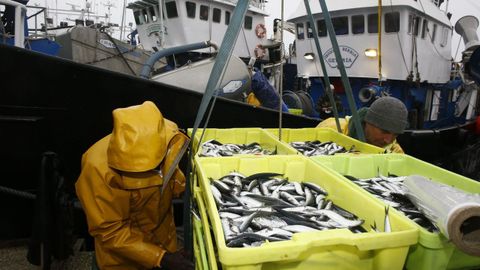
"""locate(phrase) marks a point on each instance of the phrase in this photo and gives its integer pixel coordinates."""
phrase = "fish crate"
(241, 136)
(328, 249)
(203, 243)
(433, 250)
(324, 135)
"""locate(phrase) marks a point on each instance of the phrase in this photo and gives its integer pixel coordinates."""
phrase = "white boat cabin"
(415, 40)
(185, 22)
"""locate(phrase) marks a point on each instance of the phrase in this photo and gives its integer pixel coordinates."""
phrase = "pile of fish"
(266, 207)
(316, 148)
(213, 148)
(391, 191)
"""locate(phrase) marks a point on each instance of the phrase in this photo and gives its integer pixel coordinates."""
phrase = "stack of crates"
(330, 249)
(433, 250)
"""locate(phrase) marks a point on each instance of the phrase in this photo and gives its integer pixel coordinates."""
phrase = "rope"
(18, 193)
(120, 53)
(218, 69)
(400, 43)
(433, 45)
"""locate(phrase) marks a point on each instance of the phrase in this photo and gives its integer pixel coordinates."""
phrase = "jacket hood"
(140, 138)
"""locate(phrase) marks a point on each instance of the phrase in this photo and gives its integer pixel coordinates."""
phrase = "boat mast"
(379, 23)
(280, 85)
(123, 19)
(162, 26)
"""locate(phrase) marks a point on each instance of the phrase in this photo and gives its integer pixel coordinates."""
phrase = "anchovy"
(315, 188)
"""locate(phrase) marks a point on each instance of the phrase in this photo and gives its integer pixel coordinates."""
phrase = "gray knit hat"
(388, 113)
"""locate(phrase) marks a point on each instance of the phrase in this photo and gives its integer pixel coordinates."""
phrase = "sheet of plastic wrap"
(455, 212)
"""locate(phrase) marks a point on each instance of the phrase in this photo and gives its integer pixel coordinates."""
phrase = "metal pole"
(341, 68)
(221, 60)
(123, 19)
(322, 63)
(379, 42)
(280, 88)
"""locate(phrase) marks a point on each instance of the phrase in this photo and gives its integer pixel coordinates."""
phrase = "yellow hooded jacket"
(330, 123)
(127, 214)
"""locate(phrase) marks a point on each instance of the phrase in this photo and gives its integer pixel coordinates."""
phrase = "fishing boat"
(401, 49)
(65, 108)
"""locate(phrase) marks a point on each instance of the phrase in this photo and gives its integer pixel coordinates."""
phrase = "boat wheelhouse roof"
(429, 7)
(256, 6)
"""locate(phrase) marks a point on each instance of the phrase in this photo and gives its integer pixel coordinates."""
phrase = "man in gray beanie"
(382, 122)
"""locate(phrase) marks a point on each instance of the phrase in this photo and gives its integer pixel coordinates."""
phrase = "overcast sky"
(458, 8)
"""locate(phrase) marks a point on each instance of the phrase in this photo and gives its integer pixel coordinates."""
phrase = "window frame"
(369, 30)
(353, 24)
(216, 15)
(248, 22)
(298, 27)
(392, 22)
(321, 25)
(189, 10)
(341, 19)
(227, 17)
(168, 5)
(204, 8)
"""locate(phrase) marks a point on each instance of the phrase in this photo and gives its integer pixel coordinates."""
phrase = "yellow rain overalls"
(120, 189)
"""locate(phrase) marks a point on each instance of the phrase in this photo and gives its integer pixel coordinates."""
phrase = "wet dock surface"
(13, 256)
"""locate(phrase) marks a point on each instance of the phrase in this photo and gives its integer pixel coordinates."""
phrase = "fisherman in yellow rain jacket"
(128, 212)
(382, 122)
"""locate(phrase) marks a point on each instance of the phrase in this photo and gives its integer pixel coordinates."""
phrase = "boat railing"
(255, 3)
(19, 19)
(34, 32)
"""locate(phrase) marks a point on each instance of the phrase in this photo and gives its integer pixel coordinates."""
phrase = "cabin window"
(191, 9)
(444, 37)
(434, 32)
(204, 13)
(138, 17)
(227, 17)
(358, 24)
(309, 30)
(300, 31)
(435, 105)
(392, 22)
(340, 24)
(217, 15)
(424, 28)
(153, 13)
(172, 11)
(248, 22)
(321, 28)
(372, 23)
(413, 24)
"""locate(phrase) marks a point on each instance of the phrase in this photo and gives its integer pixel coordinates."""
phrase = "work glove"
(176, 261)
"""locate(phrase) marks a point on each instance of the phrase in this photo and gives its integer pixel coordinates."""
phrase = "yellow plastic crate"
(203, 243)
(433, 250)
(242, 136)
(332, 249)
(324, 135)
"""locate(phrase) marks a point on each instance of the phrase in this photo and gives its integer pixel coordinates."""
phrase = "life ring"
(259, 51)
(260, 30)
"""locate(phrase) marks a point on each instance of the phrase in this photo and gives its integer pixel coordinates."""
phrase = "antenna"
(109, 4)
(73, 6)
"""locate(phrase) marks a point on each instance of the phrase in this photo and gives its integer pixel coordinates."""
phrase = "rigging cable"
(400, 43)
(458, 47)
(326, 78)
(119, 52)
(379, 23)
(433, 44)
(219, 67)
(280, 88)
